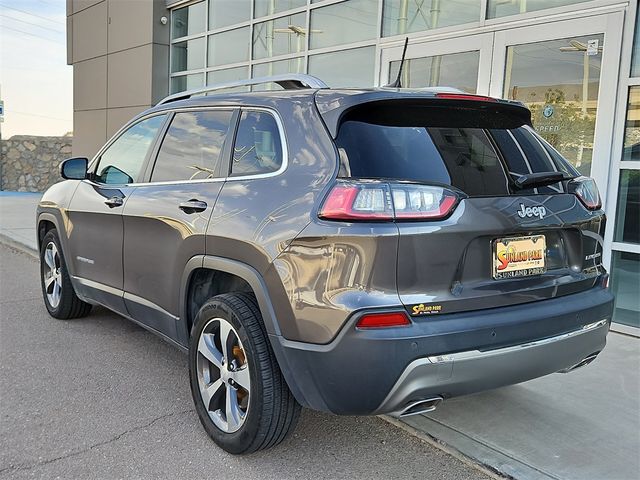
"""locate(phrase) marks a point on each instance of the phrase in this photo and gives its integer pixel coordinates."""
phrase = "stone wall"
(30, 164)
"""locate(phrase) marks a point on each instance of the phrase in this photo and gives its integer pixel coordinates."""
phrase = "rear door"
(502, 245)
(165, 219)
(95, 213)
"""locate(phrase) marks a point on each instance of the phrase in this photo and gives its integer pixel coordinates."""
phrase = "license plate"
(519, 256)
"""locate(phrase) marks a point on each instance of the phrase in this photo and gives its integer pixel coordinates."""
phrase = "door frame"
(609, 24)
(482, 42)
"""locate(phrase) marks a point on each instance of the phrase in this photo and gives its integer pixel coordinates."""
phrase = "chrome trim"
(290, 81)
(475, 354)
(146, 303)
(274, 114)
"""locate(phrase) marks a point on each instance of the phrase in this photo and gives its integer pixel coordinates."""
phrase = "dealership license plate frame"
(531, 268)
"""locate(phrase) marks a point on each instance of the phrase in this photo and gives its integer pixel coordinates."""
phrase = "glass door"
(463, 63)
(566, 73)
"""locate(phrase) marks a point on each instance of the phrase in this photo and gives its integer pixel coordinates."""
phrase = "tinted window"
(192, 147)
(478, 161)
(257, 147)
(122, 161)
(463, 157)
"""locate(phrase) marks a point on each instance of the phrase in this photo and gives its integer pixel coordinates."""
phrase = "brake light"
(382, 201)
(383, 320)
(464, 96)
(586, 190)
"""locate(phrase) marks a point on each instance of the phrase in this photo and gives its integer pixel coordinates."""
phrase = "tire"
(59, 296)
(266, 410)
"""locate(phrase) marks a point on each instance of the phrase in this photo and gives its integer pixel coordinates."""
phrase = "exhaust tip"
(422, 406)
(582, 363)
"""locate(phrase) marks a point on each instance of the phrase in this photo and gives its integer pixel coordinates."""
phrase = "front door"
(95, 227)
(166, 218)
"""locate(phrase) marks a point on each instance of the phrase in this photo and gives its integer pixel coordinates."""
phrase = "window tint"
(473, 159)
(192, 147)
(462, 157)
(122, 161)
(257, 147)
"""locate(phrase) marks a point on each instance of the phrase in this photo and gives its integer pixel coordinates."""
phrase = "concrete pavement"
(18, 218)
(102, 398)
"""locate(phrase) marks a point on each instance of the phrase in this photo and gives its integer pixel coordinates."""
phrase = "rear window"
(476, 160)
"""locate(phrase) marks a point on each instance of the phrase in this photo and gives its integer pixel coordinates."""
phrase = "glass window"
(458, 70)
(635, 59)
(559, 80)
(403, 16)
(269, 7)
(257, 146)
(346, 68)
(122, 161)
(186, 82)
(627, 227)
(228, 12)
(188, 20)
(228, 47)
(293, 65)
(192, 147)
(280, 36)
(632, 127)
(412, 141)
(500, 8)
(625, 285)
(346, 22)
(187, 55)
(228, 75)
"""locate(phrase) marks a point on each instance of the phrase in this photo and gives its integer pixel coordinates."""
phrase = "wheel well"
(206, 283)
(43, 227)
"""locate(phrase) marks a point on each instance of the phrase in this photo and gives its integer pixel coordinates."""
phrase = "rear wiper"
(540, 179)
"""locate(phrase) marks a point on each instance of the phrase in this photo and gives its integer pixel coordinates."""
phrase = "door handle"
(193, 206)
(114, 202)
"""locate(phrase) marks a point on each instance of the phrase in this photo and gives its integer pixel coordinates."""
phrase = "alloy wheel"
(223, 375)
(52, 275)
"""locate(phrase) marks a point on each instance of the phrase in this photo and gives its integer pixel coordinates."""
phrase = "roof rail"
(292, 81)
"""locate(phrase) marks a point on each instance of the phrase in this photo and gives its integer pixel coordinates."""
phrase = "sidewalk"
(18, 218)
(582, 425)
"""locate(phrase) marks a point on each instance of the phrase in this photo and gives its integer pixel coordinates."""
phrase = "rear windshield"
(476, 160)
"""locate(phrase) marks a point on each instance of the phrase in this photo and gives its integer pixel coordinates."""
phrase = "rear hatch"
(513, 221)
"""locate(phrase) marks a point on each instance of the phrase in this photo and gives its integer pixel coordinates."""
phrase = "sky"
(36, 83)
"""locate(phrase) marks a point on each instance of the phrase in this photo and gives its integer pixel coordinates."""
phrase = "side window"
(122, 161)
(192, 147)
(257, 147)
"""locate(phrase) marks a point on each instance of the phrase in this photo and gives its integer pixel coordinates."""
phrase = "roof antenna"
(398, 83)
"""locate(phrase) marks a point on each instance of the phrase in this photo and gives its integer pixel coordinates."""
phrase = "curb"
(16, 245)
(440, 445)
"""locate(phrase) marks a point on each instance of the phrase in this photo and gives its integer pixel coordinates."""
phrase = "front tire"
(239, 393)
(59, 296)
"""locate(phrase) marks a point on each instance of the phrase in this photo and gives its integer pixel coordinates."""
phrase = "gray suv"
(359, 252)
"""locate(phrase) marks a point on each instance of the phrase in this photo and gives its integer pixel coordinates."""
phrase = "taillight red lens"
(372, 200)
(586, 190)
(464, 96)
(383, 320)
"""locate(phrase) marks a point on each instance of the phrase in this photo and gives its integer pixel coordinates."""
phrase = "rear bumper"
(473, 371)
(363, 372)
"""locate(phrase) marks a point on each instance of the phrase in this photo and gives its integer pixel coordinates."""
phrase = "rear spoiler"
(428, 108)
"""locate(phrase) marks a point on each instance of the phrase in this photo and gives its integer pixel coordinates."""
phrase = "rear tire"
(59, 296)
(233, 369)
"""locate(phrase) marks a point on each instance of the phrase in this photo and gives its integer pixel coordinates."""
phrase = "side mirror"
(74, 168)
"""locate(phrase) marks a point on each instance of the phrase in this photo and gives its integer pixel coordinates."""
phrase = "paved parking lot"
(102, 398)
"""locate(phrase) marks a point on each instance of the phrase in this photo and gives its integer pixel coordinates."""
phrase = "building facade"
(575, 64)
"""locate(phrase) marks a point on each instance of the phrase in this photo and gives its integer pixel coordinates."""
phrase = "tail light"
(387, 201)
(383, 320)
(586, 190)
